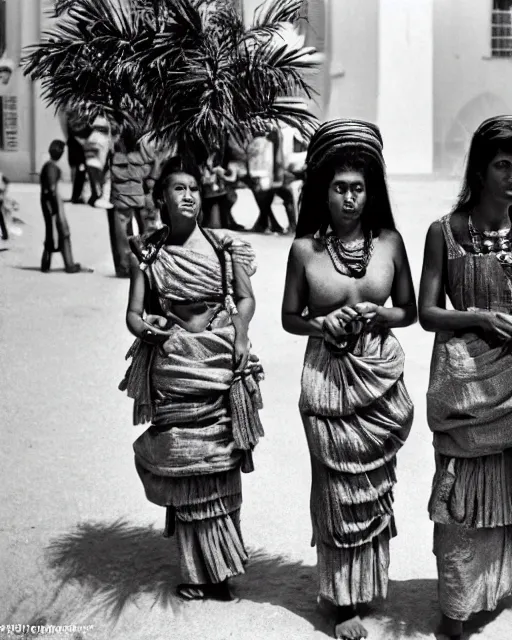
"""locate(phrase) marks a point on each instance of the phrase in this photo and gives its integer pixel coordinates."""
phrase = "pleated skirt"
(207, 522)
(352, 575)
(471, 505)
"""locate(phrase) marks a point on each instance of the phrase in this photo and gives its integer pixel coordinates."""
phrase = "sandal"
(218, 591)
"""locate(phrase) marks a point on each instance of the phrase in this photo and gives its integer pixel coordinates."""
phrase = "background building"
(26, 126)
(426, 71)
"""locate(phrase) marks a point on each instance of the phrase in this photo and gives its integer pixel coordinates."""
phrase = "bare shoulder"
(303, 248)
(435, 232)
(392, 239)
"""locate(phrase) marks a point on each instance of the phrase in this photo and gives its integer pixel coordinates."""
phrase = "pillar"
(405, 85)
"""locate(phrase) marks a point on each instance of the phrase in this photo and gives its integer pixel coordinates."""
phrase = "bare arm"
(150, 328)
(295, 297)
(432, 299)
(404, 311)
(244, 299)
(246, 305)
(135, 311)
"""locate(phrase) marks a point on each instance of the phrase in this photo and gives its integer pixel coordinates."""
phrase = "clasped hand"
(155, 329)
(349, 320)
(494, 322)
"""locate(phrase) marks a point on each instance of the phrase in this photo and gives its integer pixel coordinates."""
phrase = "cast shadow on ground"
(115, 563)
(54, 270)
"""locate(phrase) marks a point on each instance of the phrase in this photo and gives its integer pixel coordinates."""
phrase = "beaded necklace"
(350, 258)
(497, 242)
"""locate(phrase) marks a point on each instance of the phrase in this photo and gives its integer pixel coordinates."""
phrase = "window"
(501, 36)
(8, 123)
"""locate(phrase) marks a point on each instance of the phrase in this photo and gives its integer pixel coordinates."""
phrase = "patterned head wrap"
(337, 134)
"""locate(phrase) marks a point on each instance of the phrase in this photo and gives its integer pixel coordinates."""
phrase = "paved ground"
(80, 544)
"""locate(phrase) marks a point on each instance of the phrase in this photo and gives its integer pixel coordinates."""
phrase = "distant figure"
(9, 223)
(134, 170)
(3, 188)
(53, 212)
(76, 160)
(265, 178)
(219, 194)
(96, 140)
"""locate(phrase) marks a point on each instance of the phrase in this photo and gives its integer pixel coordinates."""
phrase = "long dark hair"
(492, 136)
(313, 209)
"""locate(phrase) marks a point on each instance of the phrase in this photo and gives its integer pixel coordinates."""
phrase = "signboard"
(9, 123)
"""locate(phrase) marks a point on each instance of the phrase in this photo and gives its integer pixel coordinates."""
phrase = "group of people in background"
(121, 170)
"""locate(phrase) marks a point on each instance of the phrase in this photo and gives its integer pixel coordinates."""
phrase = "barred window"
(501, 36)
(8, 123)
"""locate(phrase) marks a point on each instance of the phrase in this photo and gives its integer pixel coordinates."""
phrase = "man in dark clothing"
(76, 161)
(3, 188)
(53, 213)
(134, 169)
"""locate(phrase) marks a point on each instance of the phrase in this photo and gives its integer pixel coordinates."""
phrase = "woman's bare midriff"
(195, 316)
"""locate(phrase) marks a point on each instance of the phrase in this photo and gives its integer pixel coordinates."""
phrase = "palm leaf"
(187, 70)
(278, 11)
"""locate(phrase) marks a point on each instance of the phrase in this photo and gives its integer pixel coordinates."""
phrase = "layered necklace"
(497, 242)
(350, 258)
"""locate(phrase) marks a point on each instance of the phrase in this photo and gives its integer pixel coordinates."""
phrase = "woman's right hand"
(337, 322)
(499, 324)
(154, 330)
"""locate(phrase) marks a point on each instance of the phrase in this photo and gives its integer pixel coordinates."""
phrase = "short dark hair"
(176, 164)
(492, 136)
(56, 149)
(314, 211)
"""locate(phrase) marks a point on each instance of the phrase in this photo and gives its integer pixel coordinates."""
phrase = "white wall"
(37, 125)
(47, 124)
(405, 90)
(470, 86)
(353, 59)
(16, 164)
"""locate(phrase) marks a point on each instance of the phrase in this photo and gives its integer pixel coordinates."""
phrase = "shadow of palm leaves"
(116, 563)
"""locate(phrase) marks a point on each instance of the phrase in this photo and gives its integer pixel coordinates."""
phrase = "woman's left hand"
(242, 351)
(367, 310)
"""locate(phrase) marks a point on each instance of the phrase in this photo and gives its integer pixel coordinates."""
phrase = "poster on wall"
(9, 123)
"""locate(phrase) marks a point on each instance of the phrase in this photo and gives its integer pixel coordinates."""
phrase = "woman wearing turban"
(347, 260)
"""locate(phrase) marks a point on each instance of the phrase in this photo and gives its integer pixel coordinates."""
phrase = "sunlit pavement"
(80, 545)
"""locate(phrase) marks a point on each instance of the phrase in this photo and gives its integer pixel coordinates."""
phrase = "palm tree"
(185, 71)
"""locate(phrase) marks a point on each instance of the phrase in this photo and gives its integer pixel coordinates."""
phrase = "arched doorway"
(456, 142)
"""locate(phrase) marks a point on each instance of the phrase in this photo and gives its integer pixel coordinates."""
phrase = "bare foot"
(349, 628)
(218, 591)
(450, 628)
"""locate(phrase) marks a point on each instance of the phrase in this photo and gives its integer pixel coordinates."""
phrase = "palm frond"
(187, 70)
(278, 11)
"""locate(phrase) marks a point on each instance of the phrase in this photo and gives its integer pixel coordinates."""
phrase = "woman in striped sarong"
(468, 260)
(192, 375)
(345, 263)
